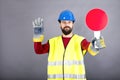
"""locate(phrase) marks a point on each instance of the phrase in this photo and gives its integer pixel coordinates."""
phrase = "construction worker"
(66, 52)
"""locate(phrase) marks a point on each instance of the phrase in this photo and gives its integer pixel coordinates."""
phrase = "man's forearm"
(40, 48)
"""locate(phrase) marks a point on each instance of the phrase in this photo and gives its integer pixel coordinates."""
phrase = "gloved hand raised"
(38, 30)
(98, 43)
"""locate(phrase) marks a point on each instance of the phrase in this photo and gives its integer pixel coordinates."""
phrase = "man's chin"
(67, 32)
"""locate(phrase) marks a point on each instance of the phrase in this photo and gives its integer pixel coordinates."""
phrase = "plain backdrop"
(18, 60)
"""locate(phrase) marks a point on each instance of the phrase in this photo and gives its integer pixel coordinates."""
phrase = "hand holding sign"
(96, 20)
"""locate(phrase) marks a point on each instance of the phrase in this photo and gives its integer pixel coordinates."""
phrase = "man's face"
(66, 26)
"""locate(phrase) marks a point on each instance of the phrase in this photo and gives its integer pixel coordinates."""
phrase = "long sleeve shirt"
(44, 48)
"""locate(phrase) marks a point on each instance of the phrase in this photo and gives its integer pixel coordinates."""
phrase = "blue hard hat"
(66, 15)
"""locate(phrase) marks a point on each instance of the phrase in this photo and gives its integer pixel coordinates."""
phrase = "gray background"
(17, 58)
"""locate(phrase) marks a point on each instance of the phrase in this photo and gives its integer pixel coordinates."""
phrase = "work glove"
(98, 43)
(38, 30)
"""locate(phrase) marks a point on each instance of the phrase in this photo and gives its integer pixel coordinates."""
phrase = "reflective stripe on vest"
(65, 63)
(75, 76)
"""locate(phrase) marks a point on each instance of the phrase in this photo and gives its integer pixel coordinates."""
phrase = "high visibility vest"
(66, 64)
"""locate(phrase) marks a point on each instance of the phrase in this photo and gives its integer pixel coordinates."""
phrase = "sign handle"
(97, 34)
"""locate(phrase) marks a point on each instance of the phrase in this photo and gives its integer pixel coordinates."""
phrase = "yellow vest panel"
(66, 64)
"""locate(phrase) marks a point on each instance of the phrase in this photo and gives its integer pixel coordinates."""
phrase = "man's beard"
(66, 30)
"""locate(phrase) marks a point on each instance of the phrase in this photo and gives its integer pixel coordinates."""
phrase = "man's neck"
(69, 35)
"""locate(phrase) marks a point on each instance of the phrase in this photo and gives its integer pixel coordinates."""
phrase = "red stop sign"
(96, 19)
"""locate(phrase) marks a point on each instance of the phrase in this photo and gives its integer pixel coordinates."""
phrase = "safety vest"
(66, 64)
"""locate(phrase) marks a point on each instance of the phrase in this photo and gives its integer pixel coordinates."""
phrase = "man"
(66, 52)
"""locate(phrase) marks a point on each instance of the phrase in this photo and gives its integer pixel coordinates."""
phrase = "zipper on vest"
(63, 64)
